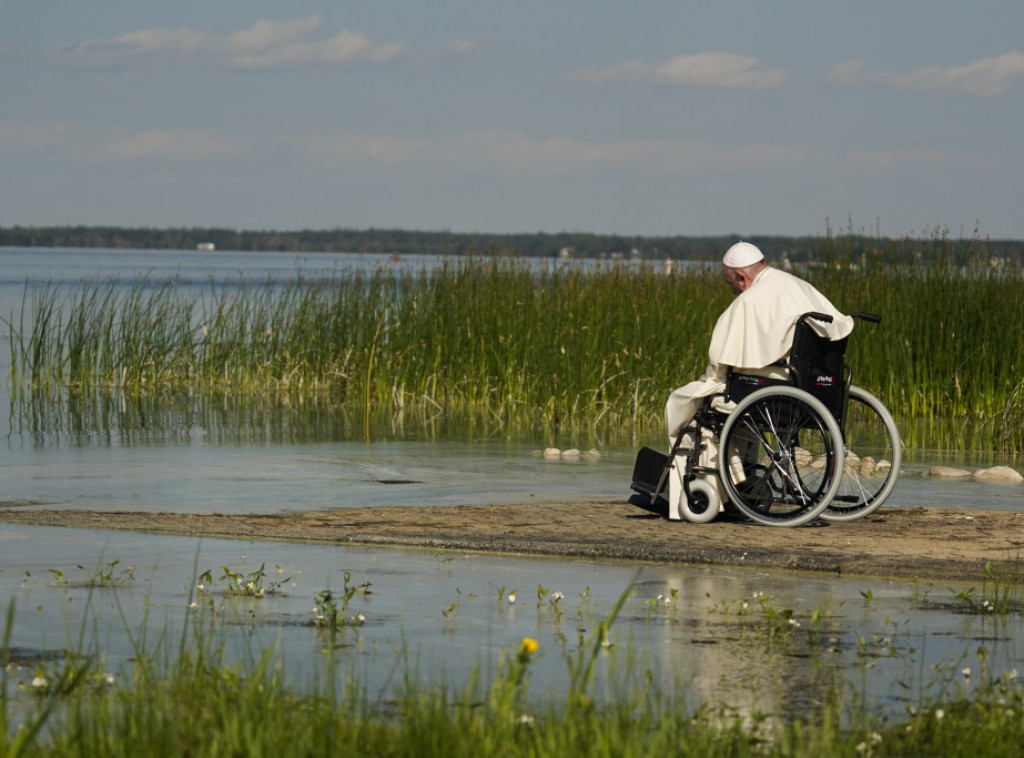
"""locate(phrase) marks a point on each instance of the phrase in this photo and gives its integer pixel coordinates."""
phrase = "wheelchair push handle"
(822, 317)
(872, 317)
(826, 319)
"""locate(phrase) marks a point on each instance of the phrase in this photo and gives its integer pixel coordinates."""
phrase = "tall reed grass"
(562, 348)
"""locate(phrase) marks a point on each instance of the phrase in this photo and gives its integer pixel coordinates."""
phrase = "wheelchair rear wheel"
(872, 458)
(780, 456)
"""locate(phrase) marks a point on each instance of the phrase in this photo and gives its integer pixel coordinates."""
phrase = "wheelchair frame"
(798, 461)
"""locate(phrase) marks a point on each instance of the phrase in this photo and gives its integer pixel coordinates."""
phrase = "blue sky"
(649, 117)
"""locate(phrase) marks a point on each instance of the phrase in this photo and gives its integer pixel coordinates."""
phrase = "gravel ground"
(931, 543)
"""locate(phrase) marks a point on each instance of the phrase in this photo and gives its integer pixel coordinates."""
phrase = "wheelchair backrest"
(818, 366)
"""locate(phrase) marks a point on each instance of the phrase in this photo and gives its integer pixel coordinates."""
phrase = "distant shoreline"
(389, 241)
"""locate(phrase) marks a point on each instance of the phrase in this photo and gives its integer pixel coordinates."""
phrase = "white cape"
(756, 330)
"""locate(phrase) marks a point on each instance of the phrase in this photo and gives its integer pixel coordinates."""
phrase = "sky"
(652, 117)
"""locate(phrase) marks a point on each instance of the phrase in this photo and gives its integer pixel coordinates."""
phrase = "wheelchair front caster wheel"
(704, 503)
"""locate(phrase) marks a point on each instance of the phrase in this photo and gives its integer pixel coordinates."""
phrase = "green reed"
(561, 348)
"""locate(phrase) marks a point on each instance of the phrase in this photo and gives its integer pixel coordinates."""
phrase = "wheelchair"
(780, 451)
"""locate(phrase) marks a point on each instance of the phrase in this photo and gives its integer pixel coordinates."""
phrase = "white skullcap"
(741, 255)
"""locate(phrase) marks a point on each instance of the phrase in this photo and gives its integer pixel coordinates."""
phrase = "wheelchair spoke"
(779, 463)
(873, 453)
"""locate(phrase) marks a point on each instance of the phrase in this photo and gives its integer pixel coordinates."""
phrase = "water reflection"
(114, 418)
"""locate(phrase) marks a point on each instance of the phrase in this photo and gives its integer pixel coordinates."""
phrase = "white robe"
(755, 331)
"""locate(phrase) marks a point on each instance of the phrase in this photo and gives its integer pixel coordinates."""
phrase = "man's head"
(741, 264)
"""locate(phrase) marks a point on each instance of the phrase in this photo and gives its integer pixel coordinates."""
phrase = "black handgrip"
(823, 317)
(872, 317)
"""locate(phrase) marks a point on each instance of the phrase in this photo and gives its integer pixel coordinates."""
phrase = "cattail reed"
(558, 345)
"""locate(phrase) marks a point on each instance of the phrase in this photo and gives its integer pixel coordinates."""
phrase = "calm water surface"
(441, 611)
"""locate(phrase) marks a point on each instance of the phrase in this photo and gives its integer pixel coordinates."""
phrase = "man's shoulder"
(778, 275)
(778, 281)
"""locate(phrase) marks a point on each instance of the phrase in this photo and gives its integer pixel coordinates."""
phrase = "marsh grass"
(550, 347)
(1001, 592)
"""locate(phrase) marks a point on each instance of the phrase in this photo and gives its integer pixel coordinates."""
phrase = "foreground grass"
(203, 707)
(561, 348)
(201, 704)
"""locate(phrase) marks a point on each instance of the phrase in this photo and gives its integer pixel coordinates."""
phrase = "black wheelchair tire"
(870, 431)
(799, 441)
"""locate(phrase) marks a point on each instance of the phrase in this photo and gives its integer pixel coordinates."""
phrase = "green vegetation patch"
(565, 347)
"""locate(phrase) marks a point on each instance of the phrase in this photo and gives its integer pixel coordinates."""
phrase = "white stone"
(947, 472)
(999, 474)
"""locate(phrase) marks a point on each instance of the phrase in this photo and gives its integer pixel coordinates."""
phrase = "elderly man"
(754, 332)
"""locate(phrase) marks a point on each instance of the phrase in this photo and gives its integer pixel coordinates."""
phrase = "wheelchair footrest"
(650, 465)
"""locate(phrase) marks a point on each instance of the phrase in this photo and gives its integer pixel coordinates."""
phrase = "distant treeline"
(576, 244)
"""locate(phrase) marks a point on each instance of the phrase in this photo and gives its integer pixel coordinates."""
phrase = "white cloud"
(988, 77)
(265, 45)
(266, 35)
(62, 141)
(717, 70)
(159, 144)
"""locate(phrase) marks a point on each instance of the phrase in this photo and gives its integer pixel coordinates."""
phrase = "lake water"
(891, 638)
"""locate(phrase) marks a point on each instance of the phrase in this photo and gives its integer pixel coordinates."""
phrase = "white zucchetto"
(741, 255)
